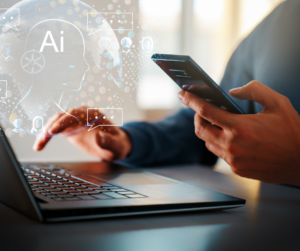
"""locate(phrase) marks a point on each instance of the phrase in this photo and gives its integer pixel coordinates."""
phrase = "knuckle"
(233, 161)
(231, 149)
(254, 84)
(230, 145)
(203, 110)
(238, 171)
(187, 99)
(208, 146)
(285, 101)
(238, 131)
(198, 132)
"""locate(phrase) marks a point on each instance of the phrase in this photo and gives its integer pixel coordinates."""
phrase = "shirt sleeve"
(167, 142)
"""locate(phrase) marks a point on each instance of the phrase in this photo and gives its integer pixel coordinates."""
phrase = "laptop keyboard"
(60, 186)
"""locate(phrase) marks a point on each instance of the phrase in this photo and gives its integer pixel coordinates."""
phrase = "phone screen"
(185, 72)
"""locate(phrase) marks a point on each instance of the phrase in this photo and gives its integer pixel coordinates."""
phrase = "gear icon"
(33, 62)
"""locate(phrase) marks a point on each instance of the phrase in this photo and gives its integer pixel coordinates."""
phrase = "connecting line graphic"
(3, 91)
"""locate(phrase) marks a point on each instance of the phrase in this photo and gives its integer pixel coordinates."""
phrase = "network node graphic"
(147, 44)
(105, 43)
(5, 52)
(33, 62)
(38, 125)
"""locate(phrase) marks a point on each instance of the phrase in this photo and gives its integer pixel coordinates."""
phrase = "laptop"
(76, 191)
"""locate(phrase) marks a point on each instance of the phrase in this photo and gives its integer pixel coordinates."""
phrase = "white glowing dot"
(85, 12)
(90, 103)
(102, 90)
(91, 88)
(53, 4)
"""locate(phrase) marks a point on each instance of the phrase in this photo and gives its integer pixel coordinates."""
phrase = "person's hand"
(108, 142)
(263, 146)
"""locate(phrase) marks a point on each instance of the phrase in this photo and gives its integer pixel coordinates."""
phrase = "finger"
(81, 118)
(106, 141)
(52, 120)
(208, 111)
(202, 91)
(257, 92)
(205, 92)
(72, 117)
(66, 121)
(207, 132)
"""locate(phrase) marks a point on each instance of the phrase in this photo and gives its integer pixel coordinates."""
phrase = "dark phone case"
(185, 71)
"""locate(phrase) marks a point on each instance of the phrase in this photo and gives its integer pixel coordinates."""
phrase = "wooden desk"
(269, 221)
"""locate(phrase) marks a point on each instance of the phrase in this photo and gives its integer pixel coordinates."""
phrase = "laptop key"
(65, 196)
(59, 199)
(42, 185)
(85, 190)
(78, 194)
(125, 193)
(61, 193)
(53, 189)
(52, 196)
(110, 188)
(118, 190)
(86, 197)
(102, 197)
(45, 194)
(51, 184)
(101, 190)
(93, 187)
(59, 186)
(93, 192)
(135, 196)
(115, 195)
(72, 199)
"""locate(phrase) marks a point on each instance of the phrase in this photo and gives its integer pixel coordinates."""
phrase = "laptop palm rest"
(128, 179)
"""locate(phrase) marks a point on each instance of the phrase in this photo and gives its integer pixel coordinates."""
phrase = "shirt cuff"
(140, 144)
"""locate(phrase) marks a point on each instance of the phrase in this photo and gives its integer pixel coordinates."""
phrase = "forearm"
(170, 141)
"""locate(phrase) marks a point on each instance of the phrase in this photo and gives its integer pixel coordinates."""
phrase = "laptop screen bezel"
(37, 211)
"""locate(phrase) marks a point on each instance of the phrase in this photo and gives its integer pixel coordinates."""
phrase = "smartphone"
(186, 72)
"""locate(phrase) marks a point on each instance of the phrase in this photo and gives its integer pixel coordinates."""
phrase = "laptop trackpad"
(131, 179)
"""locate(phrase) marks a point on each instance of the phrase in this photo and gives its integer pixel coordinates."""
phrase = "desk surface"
(269, 221)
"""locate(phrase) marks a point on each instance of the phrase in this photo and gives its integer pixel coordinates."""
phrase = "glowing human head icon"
(38, 125)
(17, 124)
(55, 56)
(147, 44)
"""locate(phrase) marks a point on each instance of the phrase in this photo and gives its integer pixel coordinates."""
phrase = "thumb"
(109, 142)
(257, 92)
